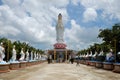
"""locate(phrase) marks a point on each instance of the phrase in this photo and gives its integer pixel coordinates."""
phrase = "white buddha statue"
(27, 56)
(108, 55)
(60, 30)
(90, 55)
(22, 55)
(34, 55)
(87, 55)
(37, 55)
(31, 55)
(2, 52)
(13, 54)
(95, 54)
(101, 53)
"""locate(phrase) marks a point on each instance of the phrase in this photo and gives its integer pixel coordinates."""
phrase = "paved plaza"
(59, 71)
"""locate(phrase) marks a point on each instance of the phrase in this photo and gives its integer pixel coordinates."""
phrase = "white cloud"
(81, 37)
(75, 2)
(109, 7)
(89, 15)
(31, 20)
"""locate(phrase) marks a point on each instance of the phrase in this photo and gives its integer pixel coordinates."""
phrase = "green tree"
(111, 37)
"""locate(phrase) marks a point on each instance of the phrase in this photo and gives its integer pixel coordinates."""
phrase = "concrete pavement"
(59, 71)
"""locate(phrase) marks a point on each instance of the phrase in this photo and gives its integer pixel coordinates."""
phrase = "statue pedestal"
(116, 67)
(92, 63)
(23, 64)
(14, 66)
(4, 68)
(99, 65)
(28, 63)
(87, 62)
(108, 65)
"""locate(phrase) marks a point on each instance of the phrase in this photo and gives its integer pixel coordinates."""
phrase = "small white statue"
(84, 55)
(101, 53)
(108, 55)
(37, 56)
(27, 56)
(13, 54)
(95, 54)
(90, 55)
(22, 55)
(34, 56)
(31, 55)
(2, 52)
(87, 55)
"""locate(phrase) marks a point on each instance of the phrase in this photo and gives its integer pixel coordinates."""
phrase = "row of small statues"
(22, 55)
(109, 57)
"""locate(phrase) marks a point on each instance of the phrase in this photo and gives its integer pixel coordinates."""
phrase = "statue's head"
(22, 49)
(60, 16)
(14, 46)
(1, 43)
(111, 50)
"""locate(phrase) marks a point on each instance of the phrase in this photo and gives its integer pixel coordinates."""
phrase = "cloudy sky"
(34, 21)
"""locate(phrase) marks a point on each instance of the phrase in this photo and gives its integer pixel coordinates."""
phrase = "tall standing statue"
(101, 53)
(110, 57)
(13, 54)
(27, 56)
(90, 55)
(60, 30)
(95, 54)
(22, 55)
(2, 52)
(31, 58)
(34, 55)
(37, 56)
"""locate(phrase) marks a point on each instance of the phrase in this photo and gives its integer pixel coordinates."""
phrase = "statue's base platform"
(92, 63)
(14, 66)
(87, 62)
(22, 64)
(4, 68)
(108, 66)
(28, 63)
(82, 61)
(116, 67)
(99, 65)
